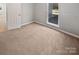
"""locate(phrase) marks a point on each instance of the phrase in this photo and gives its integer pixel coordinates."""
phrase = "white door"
(3, 17)
(14, 15)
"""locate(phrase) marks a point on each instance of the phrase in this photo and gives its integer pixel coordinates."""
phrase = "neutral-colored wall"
(19, 14)
(68, 18)
(27, 13)
(41, 12)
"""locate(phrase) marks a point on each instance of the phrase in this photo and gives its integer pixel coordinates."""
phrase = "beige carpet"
(37, 39)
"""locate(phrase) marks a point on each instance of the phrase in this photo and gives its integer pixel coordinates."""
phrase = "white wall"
(27, 13)
(68, 18)
(19, 14)
(41, 13)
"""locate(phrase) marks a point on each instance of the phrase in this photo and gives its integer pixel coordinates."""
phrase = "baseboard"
(27, 23)
(74, 35)
(58, 29)
(10, 28)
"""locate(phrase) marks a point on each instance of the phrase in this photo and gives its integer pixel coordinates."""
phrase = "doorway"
(53, 13)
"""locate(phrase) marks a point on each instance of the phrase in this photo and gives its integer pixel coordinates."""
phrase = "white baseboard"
(10, 28)
(27, 23)
(74, 35)
(56, 28)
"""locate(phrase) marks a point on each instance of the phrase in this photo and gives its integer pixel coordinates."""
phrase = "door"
(3, 17)
(53, 14)
(14, 15)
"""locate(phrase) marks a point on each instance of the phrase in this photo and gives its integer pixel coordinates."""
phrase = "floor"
(35, 39)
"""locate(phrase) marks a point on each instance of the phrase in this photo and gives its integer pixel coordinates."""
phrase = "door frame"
(48, 17)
